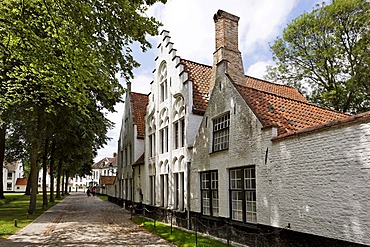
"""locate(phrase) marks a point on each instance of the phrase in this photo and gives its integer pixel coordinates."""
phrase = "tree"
(59, 54)
(325, 54)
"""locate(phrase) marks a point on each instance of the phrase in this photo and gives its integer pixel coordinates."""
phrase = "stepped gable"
(138, 103)
(278, 89)
(288, 115)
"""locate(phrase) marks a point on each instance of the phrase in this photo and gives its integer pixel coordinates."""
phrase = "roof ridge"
(138, 93)
(269, 82)
(298, 101)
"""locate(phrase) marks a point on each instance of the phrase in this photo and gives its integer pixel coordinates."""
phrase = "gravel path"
(79, 220)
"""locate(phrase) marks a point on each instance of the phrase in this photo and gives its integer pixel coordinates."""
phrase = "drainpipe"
(188, 193)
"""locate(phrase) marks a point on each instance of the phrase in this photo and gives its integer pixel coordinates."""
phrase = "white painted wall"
(319, 183)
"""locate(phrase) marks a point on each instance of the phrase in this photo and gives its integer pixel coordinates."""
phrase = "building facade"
(246, 159)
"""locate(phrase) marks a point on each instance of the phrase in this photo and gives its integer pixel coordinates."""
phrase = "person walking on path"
(84, 221)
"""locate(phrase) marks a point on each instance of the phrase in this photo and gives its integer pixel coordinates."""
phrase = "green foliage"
(58, 66)
(178, 237)
(325, 54)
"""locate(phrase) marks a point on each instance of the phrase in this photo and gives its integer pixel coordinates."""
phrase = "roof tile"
(138, 103)
(287, 114)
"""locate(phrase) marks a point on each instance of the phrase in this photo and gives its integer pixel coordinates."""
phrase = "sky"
(191, 28)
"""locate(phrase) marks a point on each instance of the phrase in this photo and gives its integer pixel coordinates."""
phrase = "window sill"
(219, 151)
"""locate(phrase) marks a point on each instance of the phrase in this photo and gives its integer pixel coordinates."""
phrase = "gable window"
(243, 194)
(209, 193)
(221, 132)
(10, 175)
(163, 82)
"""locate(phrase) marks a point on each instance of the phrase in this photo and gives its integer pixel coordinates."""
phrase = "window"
(164, 139)
(179, 190)
(243, 194)
(10, 175)
(221, 132)
(179, 133)
(9, 186)
(209, 193)
(152, 189)
(152, 145)
(163, 82)
(164, 189)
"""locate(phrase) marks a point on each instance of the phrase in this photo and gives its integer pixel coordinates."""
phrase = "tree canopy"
(58, 65)
(325, 54)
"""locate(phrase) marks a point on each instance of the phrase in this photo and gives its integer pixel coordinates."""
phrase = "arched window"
(163, 131)
(151, 136)
(162, 76)
(179, 122)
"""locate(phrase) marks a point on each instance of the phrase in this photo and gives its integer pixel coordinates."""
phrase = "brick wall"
(319, 183)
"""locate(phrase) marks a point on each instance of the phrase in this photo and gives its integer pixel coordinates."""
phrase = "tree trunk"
(33, 179)
(28, 187)
(2, 157)
(44, 174)
(52, 151)
(66, 183)
(62, 185)
(59, 175)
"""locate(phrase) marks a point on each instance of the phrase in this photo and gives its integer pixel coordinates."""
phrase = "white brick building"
(230, 150)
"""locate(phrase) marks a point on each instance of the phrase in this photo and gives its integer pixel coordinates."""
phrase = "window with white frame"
(243, 194)
(10, 175)
(164, 190)
(209, 193)
(151, 136)
(9, 186)
(179, 190)
(152, 189)
(221, 132)
(163, 132)
(163, 82)
(179, 123)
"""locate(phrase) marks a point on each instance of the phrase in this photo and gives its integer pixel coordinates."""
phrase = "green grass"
(178, 237)
(15, 206)
(103, 197)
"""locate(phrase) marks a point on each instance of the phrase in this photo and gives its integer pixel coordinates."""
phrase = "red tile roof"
(21, 181)
(200, 75)
(359, 118)
(278, 89)
(107, 180)
(138, 103)
(287, 114)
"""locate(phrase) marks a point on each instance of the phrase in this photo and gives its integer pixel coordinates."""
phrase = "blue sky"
(191, 27)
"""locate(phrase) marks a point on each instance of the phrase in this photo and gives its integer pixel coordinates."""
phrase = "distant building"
(11, 172)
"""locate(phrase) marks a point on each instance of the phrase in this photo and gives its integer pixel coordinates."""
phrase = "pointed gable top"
(287, 114)
(138, 104)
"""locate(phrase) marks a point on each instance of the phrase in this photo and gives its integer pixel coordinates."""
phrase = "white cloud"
(258, 69)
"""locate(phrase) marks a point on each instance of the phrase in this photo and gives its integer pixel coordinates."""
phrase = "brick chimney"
(226, 26)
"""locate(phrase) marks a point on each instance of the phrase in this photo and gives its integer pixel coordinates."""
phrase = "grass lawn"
(103, 197)
(178, 237)
(15, 206)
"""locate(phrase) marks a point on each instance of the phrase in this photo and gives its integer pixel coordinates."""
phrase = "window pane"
(205, 202)
(237, 205)
(215, 201)
(205, 180)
